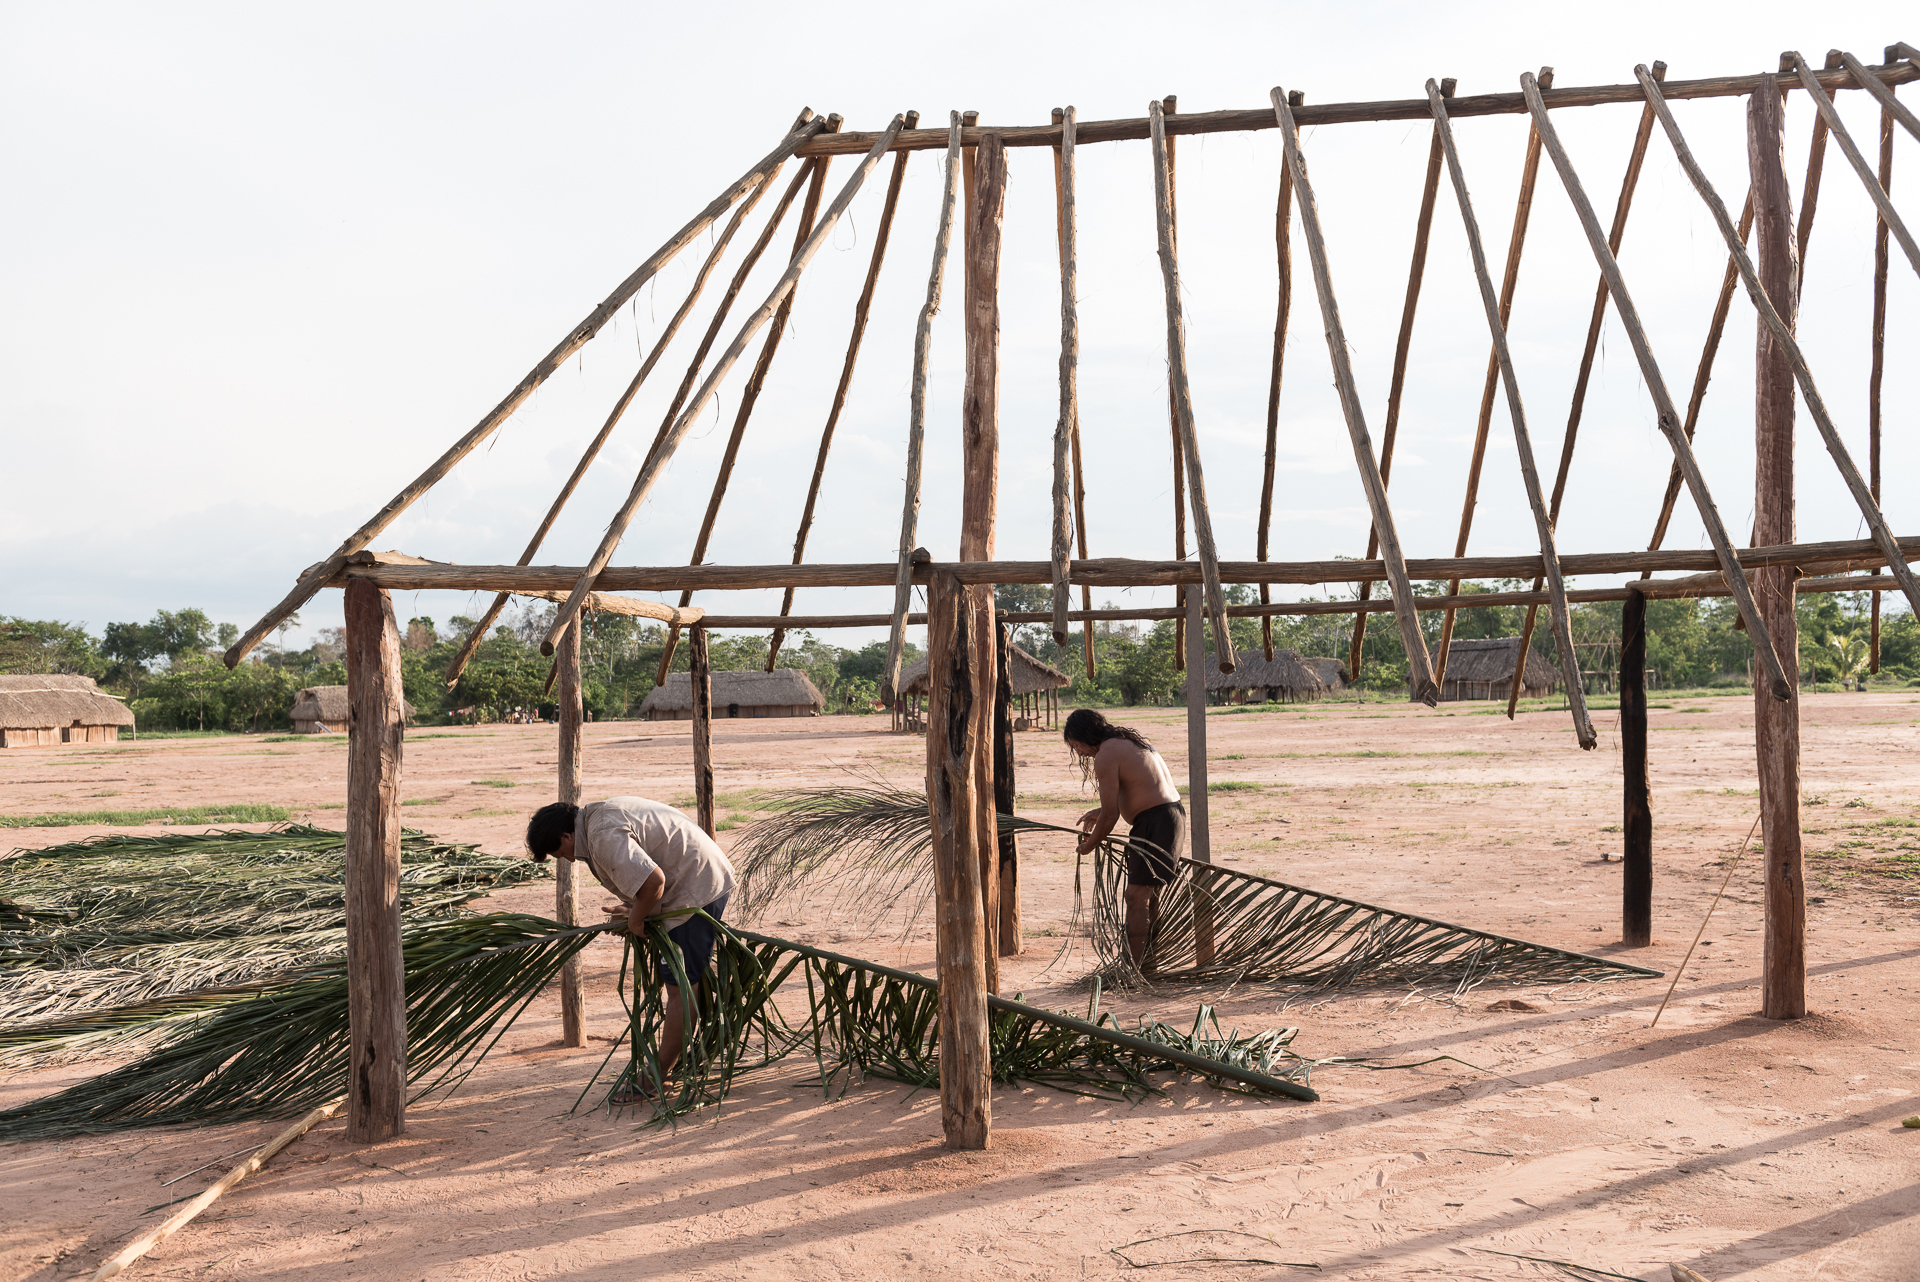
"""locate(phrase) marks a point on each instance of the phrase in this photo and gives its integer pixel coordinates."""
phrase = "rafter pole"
(656, 462)
(1416, 274)
(1420, 671)
(1882, 92)
(1522, 439)
(1875, 192)
(1669, 418)
(311, 581)
(917, 415)
(1510, 282)
(1782, 332)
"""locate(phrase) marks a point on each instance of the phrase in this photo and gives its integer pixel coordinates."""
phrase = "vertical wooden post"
(1199, 843)
(376, 980)
(1777, 722)
(955, 726)
(1007, 937)
(980, 469)
(701, 679)
(1877, 370)
(1170, 104)
(1636, 823)
(566, 888)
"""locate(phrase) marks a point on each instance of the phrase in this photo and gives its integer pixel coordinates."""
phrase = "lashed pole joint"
(1668, 416)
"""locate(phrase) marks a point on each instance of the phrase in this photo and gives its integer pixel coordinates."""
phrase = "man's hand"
(1089, 819)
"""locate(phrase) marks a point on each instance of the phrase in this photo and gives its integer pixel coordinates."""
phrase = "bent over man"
(1135, 785)
(660, 863)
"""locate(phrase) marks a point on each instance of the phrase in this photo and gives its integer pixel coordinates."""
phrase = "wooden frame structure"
(968, 764)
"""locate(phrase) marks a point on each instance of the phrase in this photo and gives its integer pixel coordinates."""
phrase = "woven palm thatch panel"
(1028, 676)
(46, 700)
(781, 688)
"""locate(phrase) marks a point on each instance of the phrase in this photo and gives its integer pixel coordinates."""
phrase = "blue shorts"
(694, 937)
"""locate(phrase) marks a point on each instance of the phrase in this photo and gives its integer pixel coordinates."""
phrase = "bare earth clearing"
(1742, 1147)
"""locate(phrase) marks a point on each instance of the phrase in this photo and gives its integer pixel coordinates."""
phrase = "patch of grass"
(425, 801)
(1858, 803)
(245, 813)
(489, 814)
(1814, 799)
(189, 734)
(416, 738)
(1235, 785)
(1233, 756)
(284, 738)
(1897, 823)
(494, 783)
(1610, 828)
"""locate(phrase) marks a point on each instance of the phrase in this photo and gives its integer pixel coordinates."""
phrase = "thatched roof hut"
(1333, 672)
(784, 692)
(1286, 676)
(1028, 676)
(45, 708)
(324, 710)
(1483, 669)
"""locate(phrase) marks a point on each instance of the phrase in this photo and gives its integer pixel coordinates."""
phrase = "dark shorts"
(694, 936)
(1165, 826)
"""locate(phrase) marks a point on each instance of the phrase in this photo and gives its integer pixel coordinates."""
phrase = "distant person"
(661, 864)
(1135, 785)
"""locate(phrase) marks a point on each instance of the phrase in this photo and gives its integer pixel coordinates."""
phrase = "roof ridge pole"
(480, 629)
(317, 576)
(917, 413)
(1065, 226)
(1183, 393)
(1783, 334)
(1420, 671)
(1840, 135)
(1416, 273)
(860, 311)
(1089, 659)
(1509, 285)
(1702, 374)
(1669, 418)
(1523, 443)
(1631, 182)
(749, 398)
(656, 462)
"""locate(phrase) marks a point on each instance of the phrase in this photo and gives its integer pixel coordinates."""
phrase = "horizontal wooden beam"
(1655, 588)
(1110, 572)
(1344, 113)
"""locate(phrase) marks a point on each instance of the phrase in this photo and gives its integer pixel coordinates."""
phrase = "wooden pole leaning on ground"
(749, 398)
(700, 682)
(980, 489)
(376, 979)
(484, 627)
(860, 310)
(1522, 439)
(1635, 159)
(1776, 730)
(1510, 281)
(1420, 670)
(1065, 225)
(1636, 820)
(566, 887)
(1877, 372)
(1669, 418)
(1283, 258)
(576, 338)
(1062, 177)
(1005, 792)
(917, 417)
(1183, 394)
(658, 459)
(1824, 105)
(153, 1237)
(1422, 231)
(1782, 330)
(956, 722)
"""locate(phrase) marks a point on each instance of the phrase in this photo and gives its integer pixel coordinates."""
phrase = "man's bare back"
(1131, 779)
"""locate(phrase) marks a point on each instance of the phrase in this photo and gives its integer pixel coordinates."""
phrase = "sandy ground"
(1739, 1146)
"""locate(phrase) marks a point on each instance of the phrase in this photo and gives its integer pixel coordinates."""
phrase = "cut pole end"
(1781, 691)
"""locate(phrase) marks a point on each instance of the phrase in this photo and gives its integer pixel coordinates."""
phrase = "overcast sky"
(263, 263)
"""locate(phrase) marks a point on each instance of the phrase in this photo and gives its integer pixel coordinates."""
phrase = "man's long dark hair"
(1085, 725)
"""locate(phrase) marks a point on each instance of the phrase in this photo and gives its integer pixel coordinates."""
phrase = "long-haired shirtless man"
(1135, 785)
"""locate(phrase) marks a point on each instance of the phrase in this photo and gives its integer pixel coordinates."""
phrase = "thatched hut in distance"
(1333, 672)
(1033, 683)
(44, 708)
(324, 710)
(1257, 679)
(784, 692)
(1484, 670)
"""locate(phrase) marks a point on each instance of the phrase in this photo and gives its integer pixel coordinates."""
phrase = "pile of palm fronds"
(1209, 922)
(117, 924)
(283, 1049)
(864, 1020)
